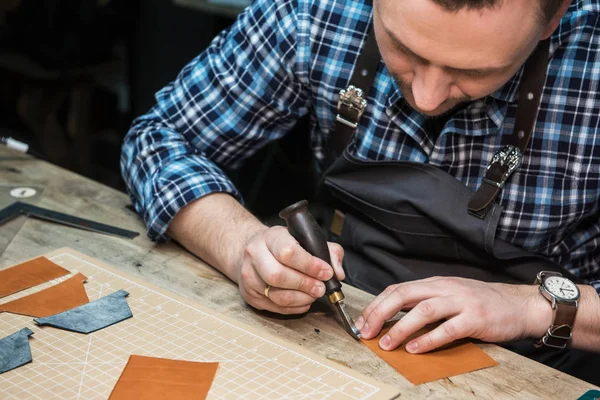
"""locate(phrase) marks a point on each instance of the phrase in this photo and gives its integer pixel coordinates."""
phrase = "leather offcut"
(53, 300)
(451, 360)
(153, 378)
(15, 350)
(29, 274)
(92, 316)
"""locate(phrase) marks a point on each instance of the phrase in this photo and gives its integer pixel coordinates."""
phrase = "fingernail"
(317, 291)
(360, 322)
(323, 274)
(412, 347)
(385, 341)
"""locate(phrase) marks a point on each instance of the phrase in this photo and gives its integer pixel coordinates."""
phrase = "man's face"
(441, 59)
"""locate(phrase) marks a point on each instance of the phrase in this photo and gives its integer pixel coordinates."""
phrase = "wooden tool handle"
(304, 228)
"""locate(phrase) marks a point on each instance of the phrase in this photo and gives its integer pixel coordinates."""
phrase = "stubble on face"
(444, 109)
(480, 49)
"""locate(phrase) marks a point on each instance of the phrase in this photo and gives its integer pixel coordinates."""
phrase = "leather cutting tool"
(304, 228)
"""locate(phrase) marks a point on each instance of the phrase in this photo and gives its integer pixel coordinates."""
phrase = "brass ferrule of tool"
(335, 297)
(304, 228)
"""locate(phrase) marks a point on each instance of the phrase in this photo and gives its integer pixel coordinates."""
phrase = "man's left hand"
(492, 312)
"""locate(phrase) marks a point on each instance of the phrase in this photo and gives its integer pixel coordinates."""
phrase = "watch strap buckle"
(556, 337)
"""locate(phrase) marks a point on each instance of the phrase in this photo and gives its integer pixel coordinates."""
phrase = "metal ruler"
(9, 193)
(21, 208)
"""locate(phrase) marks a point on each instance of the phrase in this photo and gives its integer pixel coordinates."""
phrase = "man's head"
(547, 8)
(446, 52)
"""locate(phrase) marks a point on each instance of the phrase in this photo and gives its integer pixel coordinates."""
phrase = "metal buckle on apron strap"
(351, 106)
(503, 164)
(509, 159)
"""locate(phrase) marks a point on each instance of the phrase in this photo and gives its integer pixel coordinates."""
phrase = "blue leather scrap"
(92, 316)
(15, 350)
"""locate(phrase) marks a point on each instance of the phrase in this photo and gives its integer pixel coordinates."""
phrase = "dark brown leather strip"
(362, 78)
(530, 94)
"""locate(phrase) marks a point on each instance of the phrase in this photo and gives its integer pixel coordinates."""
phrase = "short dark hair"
(547, 7)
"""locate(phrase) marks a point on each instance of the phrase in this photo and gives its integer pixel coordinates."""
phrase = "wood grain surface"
(171, 267)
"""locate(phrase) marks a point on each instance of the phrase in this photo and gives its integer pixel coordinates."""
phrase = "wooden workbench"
(171, 267)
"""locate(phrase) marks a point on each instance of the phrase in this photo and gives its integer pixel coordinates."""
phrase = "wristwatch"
(563, 294)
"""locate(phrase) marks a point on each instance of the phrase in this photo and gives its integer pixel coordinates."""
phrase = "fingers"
(426, 312)
(398, 288)
(393, 299)
(289, 298)
(280, 300)
(281, 276)
(449, 331)
(336, 252)
(294, 275)
(287, 251)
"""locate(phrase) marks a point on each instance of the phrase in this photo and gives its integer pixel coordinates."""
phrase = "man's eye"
(475, 74)
(402, 50)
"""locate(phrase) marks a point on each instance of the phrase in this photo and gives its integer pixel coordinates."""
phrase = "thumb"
(336, 252)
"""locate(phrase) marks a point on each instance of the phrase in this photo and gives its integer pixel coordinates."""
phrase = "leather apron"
(400, 221)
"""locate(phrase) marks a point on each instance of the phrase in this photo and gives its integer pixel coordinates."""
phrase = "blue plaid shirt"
(287, 58)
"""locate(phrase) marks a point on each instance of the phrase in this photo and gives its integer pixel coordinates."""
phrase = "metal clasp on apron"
(509, 158)
(351, 106)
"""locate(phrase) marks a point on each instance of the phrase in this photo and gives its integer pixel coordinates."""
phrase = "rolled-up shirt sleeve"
(242, 92)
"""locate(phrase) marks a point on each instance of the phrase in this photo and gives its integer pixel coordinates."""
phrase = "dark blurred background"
(74, 74)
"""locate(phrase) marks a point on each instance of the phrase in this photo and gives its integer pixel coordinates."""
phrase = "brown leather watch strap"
(559, 333)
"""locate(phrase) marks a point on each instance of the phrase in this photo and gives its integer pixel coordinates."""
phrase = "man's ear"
(553, 23)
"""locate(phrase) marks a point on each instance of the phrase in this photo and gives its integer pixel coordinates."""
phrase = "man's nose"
(431, 87)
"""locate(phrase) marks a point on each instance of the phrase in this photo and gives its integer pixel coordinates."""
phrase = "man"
(444, 97)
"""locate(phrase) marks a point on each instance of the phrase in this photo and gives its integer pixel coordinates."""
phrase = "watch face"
(561, 288)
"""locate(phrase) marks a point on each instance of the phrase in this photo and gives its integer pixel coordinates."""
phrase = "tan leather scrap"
(28, 274)
(153, 378)
(453, 359)
(53, 300)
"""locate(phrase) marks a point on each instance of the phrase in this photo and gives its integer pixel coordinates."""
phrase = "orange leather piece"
(28, 274)
(53, 300)
(153, 378)
(453, 359)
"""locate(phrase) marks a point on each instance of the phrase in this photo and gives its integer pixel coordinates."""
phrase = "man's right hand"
(273, 257)
(220, 231)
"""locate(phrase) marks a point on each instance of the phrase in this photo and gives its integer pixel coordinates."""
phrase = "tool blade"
(347, 320)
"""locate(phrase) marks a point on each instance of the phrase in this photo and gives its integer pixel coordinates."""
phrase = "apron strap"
(352, 101)
(509, 158)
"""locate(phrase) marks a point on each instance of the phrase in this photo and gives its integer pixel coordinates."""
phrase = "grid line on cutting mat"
(71, 365)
